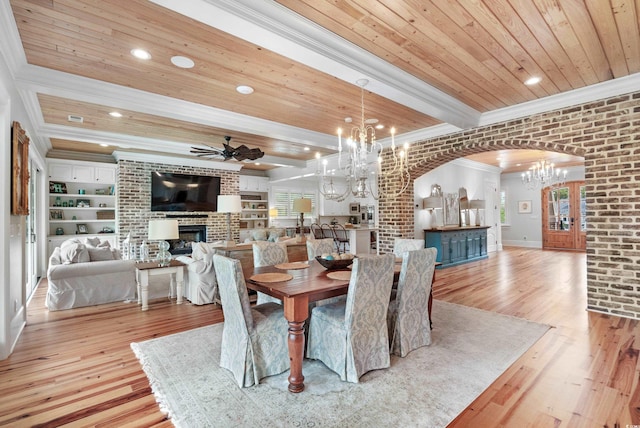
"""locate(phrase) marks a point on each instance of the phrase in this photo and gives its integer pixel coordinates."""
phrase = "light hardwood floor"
(76, 367)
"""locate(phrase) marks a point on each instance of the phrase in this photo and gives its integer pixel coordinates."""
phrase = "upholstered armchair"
(400, 245)
(350, 337)
(254, 340)
(266, 254)
(408, 315)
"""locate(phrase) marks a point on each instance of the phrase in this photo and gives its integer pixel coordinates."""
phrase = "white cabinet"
(83, 201)
(250, 183)
(329, 207)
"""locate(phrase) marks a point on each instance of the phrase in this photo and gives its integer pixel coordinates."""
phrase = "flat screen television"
(184, 192)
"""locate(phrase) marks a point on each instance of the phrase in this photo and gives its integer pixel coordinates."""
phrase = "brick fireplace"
(188, 234)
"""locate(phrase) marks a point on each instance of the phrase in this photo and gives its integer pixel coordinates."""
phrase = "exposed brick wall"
(134, 201)
(607, 134)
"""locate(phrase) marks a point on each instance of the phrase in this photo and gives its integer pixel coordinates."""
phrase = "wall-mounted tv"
(184, 192)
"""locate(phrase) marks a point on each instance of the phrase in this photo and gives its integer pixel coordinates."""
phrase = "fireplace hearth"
(188, 234)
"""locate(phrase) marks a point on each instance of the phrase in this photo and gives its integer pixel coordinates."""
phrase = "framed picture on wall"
(451, 209)
(20, 170)
(524, 207)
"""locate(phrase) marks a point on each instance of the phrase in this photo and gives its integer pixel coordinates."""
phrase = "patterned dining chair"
(350, 337)
(267, 253)
(408, 316)
(400, 245)
(254, 340)
(318, 247)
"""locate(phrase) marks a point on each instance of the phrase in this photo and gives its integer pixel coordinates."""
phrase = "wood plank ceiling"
(465, 57)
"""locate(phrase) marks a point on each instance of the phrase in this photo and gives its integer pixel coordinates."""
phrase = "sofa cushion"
(92, 241)
(100, 254)
(74, 253)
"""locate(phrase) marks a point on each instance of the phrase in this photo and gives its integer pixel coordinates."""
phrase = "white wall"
(525, 230)
(473, 176)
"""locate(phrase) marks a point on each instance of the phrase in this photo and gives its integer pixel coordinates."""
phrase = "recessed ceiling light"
(115, 114)
(244, 89)
(104, 145)
(257, 163)
(182, 61)
(140, 54)
(379, 126)
(371, 121)
(306, 149)
(532, 80)
(348, 120)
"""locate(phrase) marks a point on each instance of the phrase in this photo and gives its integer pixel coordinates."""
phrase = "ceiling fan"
(240, 153)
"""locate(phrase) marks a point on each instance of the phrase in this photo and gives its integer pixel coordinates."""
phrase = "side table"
(146, 269)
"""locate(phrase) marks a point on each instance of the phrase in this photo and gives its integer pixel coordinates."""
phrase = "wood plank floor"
(76, 368)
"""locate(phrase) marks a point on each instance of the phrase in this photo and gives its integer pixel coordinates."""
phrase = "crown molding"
(173, 160)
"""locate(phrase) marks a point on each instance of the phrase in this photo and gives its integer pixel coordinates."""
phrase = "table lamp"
(477, 204)
(301, 205)
(229, 204)
(432, 203)
(273, 213)
(162, 230)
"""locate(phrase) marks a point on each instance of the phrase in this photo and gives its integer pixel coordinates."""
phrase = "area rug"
(427, 388)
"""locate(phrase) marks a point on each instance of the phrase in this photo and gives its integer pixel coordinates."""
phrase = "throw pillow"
(274, 234)
(92, 242)
(104, 244)
(71, 242)
(259, 235)
(100, 254)
(74, 253)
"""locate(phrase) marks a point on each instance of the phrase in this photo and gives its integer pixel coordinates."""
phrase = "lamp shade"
(432, 202)
(476, 204)
(273, 212)
(302, 205)
(160, 230)
(229, 204)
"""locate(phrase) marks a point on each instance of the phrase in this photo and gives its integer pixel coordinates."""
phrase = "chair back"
(327, 231)
(316, 230)
(233, 293)
(400, 245)
(269, 253)
(412, 327)
(368, 298)
(319, 247)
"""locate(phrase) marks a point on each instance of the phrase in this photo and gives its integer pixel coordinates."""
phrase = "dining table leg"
(296, 311)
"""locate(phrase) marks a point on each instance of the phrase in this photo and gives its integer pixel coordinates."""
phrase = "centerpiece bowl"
(335, 263)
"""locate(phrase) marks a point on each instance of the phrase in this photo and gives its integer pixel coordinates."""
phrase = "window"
(283, 201)
(504, 217)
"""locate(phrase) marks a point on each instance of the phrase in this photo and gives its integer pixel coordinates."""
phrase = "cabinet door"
(105, 175)
(263, 184)
(59, 172)
(82, 174)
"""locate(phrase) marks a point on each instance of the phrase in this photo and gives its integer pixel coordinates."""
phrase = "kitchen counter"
(360, 239)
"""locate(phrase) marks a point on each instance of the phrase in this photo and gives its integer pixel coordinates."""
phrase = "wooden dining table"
(307, 285)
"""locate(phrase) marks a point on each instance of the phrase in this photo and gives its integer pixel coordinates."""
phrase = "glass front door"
(564, 216)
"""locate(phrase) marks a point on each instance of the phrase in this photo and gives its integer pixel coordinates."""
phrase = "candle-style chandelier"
(543, 174)
(354, 176)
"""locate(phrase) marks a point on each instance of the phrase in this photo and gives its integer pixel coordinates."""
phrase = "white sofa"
(86, 273)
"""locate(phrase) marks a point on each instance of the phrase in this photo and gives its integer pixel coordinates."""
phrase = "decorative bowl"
(334, 264)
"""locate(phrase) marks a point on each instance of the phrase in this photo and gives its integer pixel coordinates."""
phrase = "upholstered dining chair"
(319, 247)
(350, 337)
(401, 245)
(267, 253)
(408, 315)
(254, 340)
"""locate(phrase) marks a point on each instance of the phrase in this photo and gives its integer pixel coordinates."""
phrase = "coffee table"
(146, 269)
